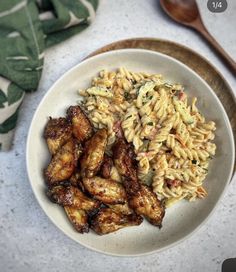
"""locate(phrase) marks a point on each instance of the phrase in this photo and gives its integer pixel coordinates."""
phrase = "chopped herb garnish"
(128, 117)
(194, 162)
(150, 123)
(126, 95)
(150, 98)
(137, 92)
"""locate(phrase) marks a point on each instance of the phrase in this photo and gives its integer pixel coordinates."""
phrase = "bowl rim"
(91, 59)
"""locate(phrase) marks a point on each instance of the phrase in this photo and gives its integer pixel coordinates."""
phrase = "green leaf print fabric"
(27, 28)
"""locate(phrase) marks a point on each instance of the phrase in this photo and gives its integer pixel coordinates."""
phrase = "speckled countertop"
(28, 239)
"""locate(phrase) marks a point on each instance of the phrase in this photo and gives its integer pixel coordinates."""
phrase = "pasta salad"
(171, 138)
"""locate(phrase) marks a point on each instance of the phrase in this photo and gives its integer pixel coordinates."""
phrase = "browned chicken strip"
(145, 203)
(140, 197)
(81, 126)
(93, 154)
(106, 166)
(106, 190)
(124, 159)
(78, 218)
(57, 132)
(73, 197)
(63, 163)
(108, 220)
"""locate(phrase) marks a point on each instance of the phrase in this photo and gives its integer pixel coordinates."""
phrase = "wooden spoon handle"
(229, 61)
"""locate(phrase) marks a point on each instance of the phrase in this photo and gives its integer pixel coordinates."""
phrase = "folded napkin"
(27, 28)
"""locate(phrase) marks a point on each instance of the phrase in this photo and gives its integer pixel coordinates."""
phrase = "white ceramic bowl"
(180, 220)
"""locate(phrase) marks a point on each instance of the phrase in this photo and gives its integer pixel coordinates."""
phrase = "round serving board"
(193, 60)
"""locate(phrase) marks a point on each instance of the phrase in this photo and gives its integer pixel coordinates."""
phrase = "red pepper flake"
(181, 95)
(173, 182)
(152, 134)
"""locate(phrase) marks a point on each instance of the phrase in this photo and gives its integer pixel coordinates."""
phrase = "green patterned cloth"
(27, 28)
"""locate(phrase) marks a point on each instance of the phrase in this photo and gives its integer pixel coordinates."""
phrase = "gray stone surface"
(28, 240)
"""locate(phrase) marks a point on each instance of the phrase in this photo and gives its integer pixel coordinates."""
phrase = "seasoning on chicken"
(81, 126)
(73, 197)
(107, 220)
(93, 154)
(63, 163)
(57, 132)
(106, 190)
(121, 208)
(106, 166)
(78, 218)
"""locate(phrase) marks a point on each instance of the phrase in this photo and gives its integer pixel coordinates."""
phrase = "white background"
(29, 241)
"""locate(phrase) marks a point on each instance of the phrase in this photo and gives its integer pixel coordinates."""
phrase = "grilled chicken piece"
(140, 197)
(93, 154)
(145, 203)
(57, 132)
(106, 167)
(108, 220)
(77, 205)
(124, 159)
(73, 197)
(78, 218)
(81, 126)
(106, 190)
(63, 163)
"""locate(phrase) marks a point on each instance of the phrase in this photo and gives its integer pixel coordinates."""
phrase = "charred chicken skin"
(92, 158)
(107, 220)
(106, 190)
(63, 163)
(57, 132)
(140, 197)
(81, 126)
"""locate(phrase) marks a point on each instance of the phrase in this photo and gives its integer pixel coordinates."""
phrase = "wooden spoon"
(186, 12)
